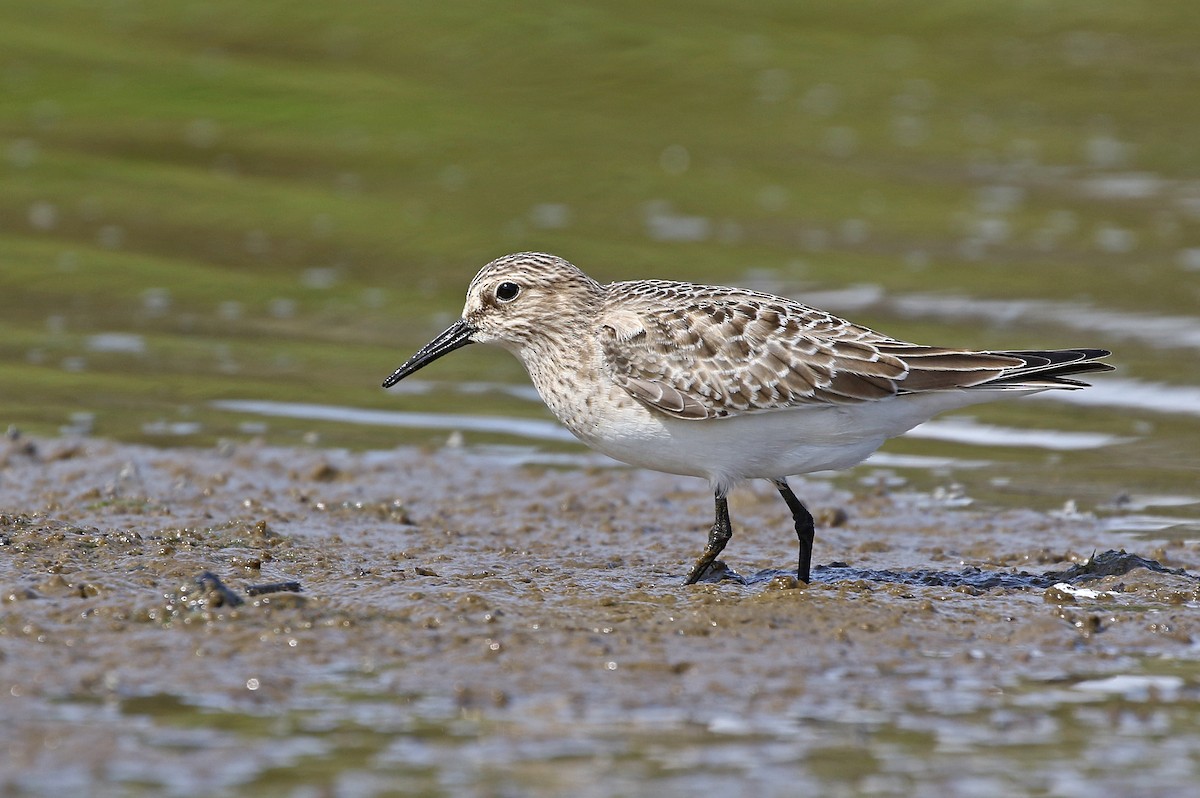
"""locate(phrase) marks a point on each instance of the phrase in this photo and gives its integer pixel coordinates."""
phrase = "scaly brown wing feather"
(703, 352)
(697, 352)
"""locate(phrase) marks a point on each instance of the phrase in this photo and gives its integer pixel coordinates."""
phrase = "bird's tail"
(1049, 368)
(937, 369)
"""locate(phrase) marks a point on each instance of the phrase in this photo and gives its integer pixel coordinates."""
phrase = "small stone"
(828, 517)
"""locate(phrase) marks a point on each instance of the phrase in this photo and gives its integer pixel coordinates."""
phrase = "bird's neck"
(563, 369)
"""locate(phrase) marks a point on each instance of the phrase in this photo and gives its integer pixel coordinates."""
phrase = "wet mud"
(247, 619)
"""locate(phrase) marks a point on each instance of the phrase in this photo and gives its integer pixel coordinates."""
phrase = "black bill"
(457, 335)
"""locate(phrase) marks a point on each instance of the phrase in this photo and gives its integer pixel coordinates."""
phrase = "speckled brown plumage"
(725, 383)
(697, 352)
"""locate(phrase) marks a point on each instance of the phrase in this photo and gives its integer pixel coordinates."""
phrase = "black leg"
(720, 534)
(804, 528)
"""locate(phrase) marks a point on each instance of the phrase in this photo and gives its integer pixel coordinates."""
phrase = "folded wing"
(697, 352)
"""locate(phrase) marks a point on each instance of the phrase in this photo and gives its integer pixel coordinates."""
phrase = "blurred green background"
(281, 200)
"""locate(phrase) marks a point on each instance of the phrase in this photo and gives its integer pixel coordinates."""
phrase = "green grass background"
(286, 198)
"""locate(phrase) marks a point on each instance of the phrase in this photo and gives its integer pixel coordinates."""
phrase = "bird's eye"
(507, 292)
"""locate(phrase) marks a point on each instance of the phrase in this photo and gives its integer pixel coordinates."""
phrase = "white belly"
(764, 445)
(728, 450)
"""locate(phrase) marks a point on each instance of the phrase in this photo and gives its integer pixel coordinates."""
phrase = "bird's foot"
(708, 569)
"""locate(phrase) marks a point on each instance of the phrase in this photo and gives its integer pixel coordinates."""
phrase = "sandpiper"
(724, 383)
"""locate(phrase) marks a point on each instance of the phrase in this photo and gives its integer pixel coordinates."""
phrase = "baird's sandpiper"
(725, 383)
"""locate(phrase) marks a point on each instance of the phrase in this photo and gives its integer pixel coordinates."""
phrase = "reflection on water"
(1135, 687)
(956, 430)
(1153, 329)
(518, 427)
(1129, 394)
(923, 461)
(964, 430)
(1155, 525)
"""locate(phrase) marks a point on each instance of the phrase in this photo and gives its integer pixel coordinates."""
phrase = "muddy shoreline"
(470, 626)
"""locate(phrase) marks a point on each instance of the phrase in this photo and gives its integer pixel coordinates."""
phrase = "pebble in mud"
(831, 517)
(1057, 595)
